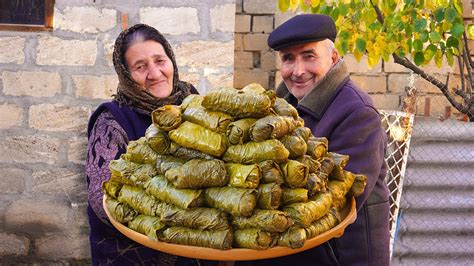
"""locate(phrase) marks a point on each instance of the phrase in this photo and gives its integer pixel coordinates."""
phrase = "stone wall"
(51, 81)
(385, 82)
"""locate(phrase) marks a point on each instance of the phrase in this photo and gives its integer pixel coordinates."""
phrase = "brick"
(12, 50)
(238, 6)
(398, 82)
(209, 54)
(262, 24)
(12, 115)
(56, 51)
(438, 104)
(29, 149)
(77, 150)
(37, 216)
(361, 67)
(109, 51)
(371, 84)
(60, 117)
(278, 79)
(36, 84)
(392, 67)
(243, 59)
(185, 19)
(260, 7)
(386, 101)
(424, 86)
(268, 60)
(280, 18)
(238, 42)
(95, 87)
(246, 76)
(255, 42)
(63, 246)
(221, 81)
(85, 19)
(192, 78)
(13, 245)
(242, 23)
(59, 181)
(223, 18)
(13, 180)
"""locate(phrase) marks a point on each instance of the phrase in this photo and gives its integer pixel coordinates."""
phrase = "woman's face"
(150, 67)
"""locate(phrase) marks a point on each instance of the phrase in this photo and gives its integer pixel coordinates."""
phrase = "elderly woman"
(148, 78)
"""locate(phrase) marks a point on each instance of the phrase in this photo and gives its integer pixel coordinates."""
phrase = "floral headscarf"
(130, 92)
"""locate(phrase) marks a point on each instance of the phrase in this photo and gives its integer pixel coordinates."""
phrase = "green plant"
(413, 32)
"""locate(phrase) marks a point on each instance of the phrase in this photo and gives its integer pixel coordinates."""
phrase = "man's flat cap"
(303, 29)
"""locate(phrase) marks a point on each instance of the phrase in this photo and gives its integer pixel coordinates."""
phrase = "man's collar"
(319, 97)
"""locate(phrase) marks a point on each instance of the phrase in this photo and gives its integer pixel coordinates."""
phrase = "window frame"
(47, 26)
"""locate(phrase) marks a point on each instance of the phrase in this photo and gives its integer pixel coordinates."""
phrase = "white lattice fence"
(398, 126)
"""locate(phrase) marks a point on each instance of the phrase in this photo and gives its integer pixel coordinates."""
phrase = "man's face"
(303, 66)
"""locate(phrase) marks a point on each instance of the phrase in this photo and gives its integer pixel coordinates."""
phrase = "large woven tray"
(348, 215)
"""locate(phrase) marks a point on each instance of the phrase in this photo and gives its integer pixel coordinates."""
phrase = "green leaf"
(360, 45)
(450, 57)
(419, 58)
(452, 42)
(439, 14)
(451, 14)
(283, 5)
(418, 45)
(408, 29)
(435, 37)
(343, 9)
(420, 25)
(457, 30)
(344, 35)
(345, 46)
(335, 13)
(424, 36)
(430, 52)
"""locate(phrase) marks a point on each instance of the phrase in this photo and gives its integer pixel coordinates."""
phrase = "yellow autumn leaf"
(315, 3)
(294, 4)
(358, 55)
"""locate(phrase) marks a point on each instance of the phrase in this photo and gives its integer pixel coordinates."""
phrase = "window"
(26, 15)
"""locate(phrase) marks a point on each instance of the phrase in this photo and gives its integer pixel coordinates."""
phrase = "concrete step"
(453, 222)
(436, 244)
(429, 128)
(428, 199)
(433, 260)
(442, 176)
(437, 151)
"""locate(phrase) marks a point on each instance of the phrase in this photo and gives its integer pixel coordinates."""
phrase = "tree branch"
(443, 87)
(410, 65)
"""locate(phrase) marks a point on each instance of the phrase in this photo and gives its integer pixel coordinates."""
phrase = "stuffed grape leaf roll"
(218, 239)
(167, 117)
(253, 238)
(198, 173)
(161, 189)
(236, 201)
(255, 152)
(268, 220)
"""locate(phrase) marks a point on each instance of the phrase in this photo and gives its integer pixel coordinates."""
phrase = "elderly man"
(317, 83)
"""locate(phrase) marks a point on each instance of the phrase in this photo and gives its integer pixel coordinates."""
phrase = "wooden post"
(427, 106)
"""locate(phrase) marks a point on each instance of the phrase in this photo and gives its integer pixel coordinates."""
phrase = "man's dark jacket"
(345, 115)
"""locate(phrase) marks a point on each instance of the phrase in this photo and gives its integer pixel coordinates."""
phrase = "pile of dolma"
(234, 168)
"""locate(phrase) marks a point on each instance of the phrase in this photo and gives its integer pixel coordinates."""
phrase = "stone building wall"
(51, 81)
(385, 82)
